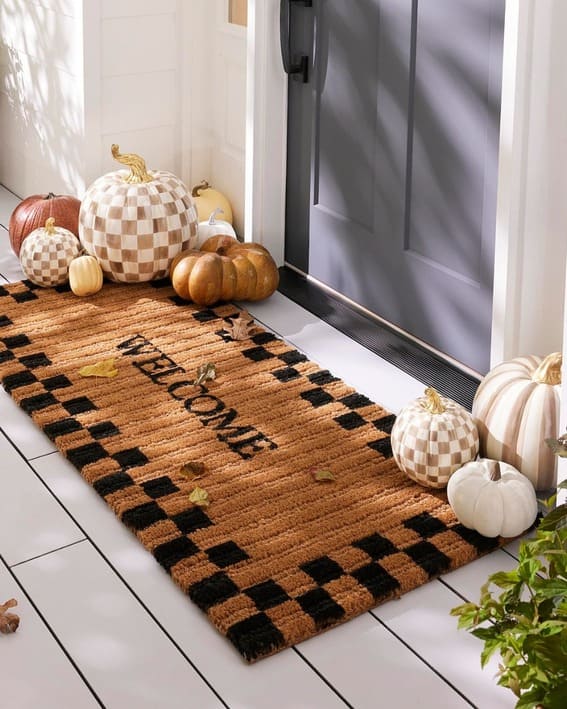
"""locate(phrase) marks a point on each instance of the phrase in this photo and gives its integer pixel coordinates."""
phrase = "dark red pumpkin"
(33, 211)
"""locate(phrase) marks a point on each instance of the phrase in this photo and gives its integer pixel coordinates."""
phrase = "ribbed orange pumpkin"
(224, 269)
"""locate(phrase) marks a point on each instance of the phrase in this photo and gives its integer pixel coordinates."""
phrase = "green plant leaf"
(556, 519)
(490, 647)
(504, 579)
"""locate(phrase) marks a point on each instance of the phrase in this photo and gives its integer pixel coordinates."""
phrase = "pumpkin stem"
(50, 195)
(136, 164)
(213, 217)
(50, 226)
(203, 185)
(433, 402)
(495, 473)
(549, 371)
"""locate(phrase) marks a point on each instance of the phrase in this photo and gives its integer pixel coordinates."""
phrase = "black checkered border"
(257, 635)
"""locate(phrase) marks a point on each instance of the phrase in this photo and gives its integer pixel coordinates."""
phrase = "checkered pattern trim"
(45, 259)
(429, 448)
(135, 230)
(323, 553)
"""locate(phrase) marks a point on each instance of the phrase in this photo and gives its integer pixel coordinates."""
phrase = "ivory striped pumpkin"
(516, 407)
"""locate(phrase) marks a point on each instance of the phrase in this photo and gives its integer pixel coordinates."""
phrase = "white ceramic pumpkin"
(136, 222)
(46, 253)
(493, 498)
(516, 407)
(432, 437)
(85, 275)
(214, 227)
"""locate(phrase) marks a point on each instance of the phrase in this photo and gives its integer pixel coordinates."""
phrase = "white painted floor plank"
(371, 667)
(35, 670)
(10, 267)
(421, 618)
(21, 430)
(122, 652)
(322, 343)
(284, 677)
(32, 521)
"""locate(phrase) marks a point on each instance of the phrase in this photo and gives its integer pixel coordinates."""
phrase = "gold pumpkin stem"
(549, 371)
(433, 402)
(136, 164)
(495, 473)
(50, 226)
(196, 191)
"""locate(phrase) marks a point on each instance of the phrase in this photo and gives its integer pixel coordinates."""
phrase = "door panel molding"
(531, 221)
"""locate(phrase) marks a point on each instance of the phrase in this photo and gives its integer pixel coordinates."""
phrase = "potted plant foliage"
(522, 614)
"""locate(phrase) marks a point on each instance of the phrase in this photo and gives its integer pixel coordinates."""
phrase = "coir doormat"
(278, 555)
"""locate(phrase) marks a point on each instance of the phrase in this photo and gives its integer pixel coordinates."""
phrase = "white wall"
(41, 97)
(162, 78)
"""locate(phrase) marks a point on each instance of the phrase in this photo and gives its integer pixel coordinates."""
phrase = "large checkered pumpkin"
(136, 222)
(432, 438)
(46, 254)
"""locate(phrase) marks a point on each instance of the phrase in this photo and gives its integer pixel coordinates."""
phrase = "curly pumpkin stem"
(136, 164)
(433, 402)
(50, 226)
(196, 191)
(549, 371)
(495, 472)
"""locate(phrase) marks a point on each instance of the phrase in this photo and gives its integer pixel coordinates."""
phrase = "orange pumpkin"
(224, 269)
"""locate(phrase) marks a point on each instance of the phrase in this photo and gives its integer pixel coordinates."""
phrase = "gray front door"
(392, 162)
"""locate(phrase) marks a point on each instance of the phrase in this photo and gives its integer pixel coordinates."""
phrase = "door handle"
(300, 69)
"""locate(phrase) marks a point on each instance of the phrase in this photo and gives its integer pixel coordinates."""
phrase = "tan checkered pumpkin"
(432, 438)
(46, 254)
(136, 222)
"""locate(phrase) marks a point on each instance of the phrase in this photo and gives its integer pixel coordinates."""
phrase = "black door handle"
(299, 69)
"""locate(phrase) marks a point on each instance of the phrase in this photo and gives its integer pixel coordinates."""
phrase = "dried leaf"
(205, 372)
(9, 622)
(322, 476)
(193, 470)
(242, 327)
(105, 368)
(199, 497)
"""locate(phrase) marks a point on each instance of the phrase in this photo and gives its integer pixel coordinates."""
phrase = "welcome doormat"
(282, 551)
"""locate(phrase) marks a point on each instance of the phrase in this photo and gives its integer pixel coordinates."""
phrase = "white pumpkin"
(432, 437)
(516, 407)
(214, 227)
(493, 498)
(46, 254)
(135, 222)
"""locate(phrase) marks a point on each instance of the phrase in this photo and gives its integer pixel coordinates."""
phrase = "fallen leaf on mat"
(206, 371)
(9, 622)
(193, 470)
(199, 497)
(105, 368)
(241, 327)
(322, 476)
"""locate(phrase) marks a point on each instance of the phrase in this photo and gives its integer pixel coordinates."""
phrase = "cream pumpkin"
(85, 275)
(432, 437)
(516, 407)
(493, 498)
(208, 199)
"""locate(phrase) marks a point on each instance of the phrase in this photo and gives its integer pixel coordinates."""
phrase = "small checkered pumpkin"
(46, 254)
(136, 222)
(432, 438)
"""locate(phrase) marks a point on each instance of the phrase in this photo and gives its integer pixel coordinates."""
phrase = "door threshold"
(384, 340)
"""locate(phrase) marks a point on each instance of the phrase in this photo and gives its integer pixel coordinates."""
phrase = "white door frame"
(531, 221)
